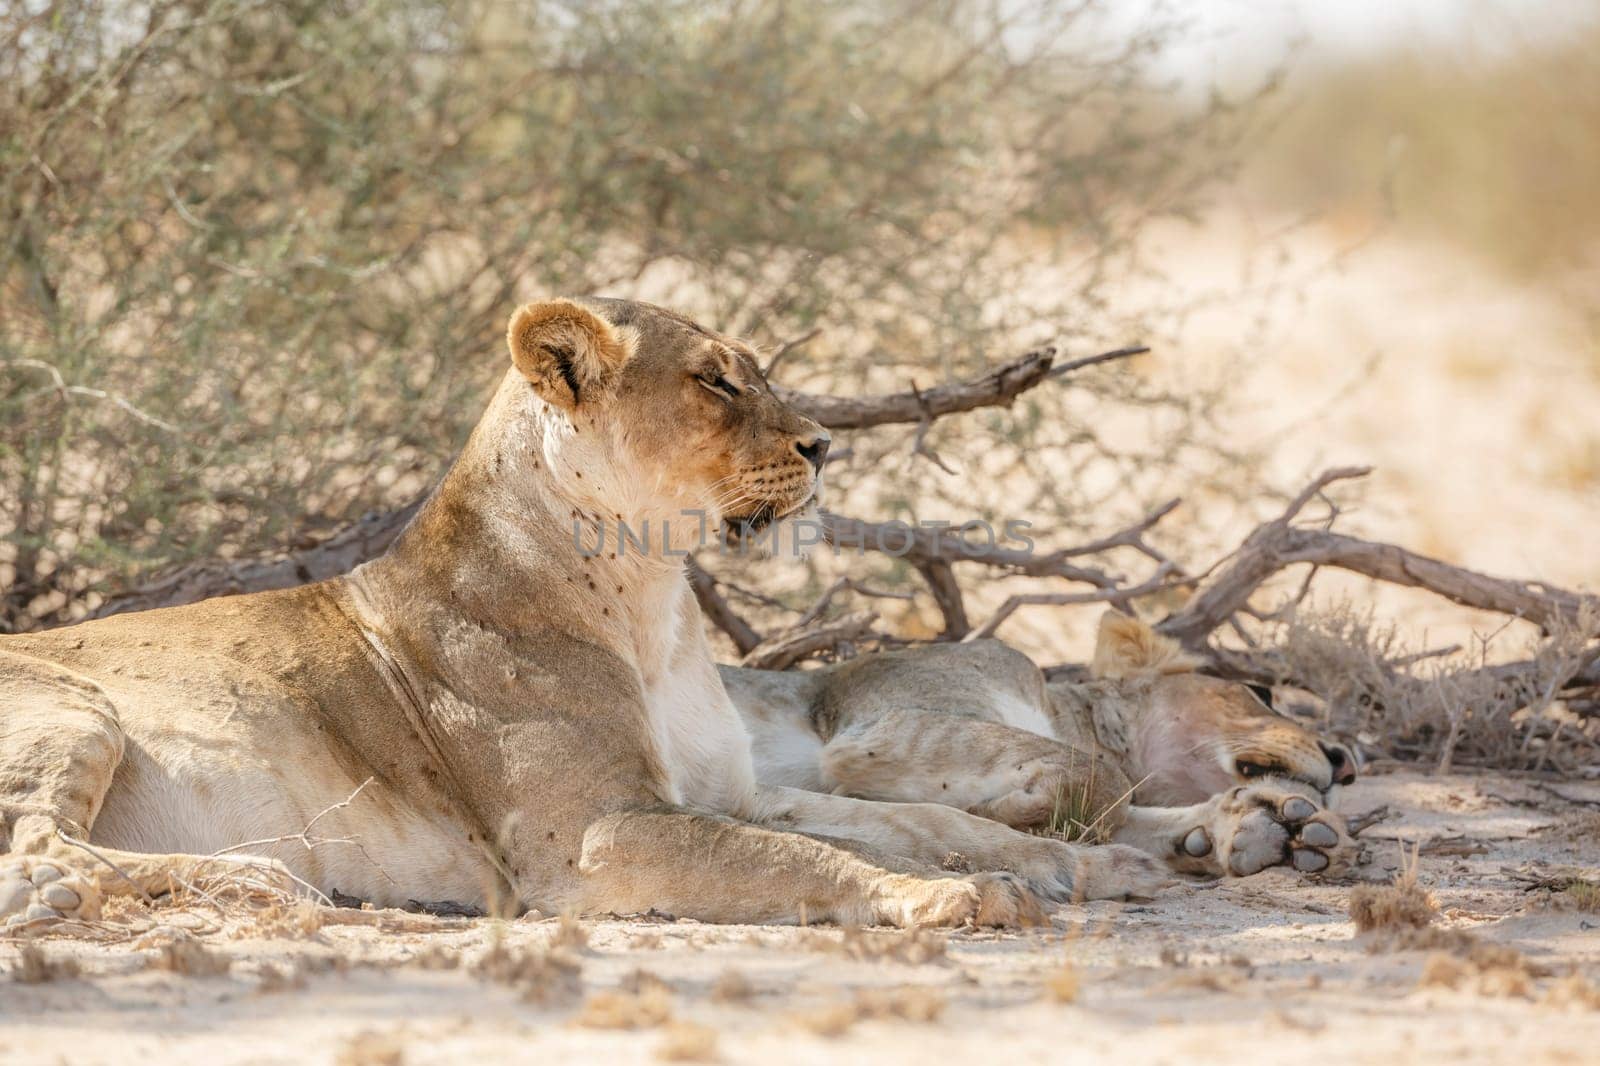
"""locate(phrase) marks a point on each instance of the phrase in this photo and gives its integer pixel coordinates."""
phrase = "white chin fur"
(795, 536)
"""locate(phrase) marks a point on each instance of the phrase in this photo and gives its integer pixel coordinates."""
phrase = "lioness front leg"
(1246, 829)
(935, 834)
(987, 768)
(716, 869)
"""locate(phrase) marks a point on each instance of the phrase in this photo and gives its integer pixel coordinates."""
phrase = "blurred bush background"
(256, 257)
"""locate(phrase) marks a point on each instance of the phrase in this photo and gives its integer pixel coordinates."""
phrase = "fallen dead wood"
(784, 650)
(1278, 545)
(338, 554)
(995, 389)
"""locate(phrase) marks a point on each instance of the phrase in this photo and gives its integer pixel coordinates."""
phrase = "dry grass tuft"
(1445, 710)
(191, 959)
(1574, 990)
(687, 1042)
(34, 967)
(437, 957)
(372, 1049)
(626, 1010)
(1582, 895)
(569, 934)
(1064, 983)
(911, 1004)
(833, 1020)
(1403, 904)
(915, 946)
(642, 981)
(294, 919)
(275, 979)
(539, 976)
(732, 987)
(1493, 969)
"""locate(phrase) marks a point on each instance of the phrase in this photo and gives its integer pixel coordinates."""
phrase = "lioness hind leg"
(990, 769)
(60, 744)
(716, 869)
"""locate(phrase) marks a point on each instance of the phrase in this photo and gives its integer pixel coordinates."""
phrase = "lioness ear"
(1126, 647)
(568, 353)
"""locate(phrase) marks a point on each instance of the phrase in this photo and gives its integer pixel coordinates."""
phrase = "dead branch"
(784, 650)
(920, 545)
(994, 389)
(338, 554)
(1278, 544)
(843, 584)
(716, 608)
(1121, 598)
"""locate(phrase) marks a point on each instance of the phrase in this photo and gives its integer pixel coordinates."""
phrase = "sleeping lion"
(1199, 772)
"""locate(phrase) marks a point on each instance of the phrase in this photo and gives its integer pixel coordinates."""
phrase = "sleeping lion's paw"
(35, 888)
(1253, 827)
(986, 899)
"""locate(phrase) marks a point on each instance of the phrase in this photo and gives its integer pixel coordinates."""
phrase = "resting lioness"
(539, 724)
(1218, 783)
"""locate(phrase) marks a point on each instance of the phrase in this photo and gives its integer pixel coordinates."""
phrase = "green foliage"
(255, 258)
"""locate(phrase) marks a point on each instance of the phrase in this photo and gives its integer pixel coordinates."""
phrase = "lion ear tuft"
(569, 354)
(1127, 648)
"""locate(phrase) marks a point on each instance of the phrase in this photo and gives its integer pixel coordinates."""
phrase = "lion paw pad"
(34, 890)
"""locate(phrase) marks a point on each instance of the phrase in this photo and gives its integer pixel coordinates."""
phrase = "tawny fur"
(539, 718)
(1194, 770)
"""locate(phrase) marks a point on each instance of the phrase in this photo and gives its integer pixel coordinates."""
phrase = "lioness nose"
(1344, 767)
(814, 450)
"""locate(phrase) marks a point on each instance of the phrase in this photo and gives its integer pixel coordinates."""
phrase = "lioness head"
(649, 414)
(1201, 734)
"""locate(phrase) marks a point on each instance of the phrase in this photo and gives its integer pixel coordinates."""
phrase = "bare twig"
(1121, 598)
(309, 842)
(787, 347)
(784, 650)
(137, 887)
(994, 389)
(716, 608)
(1277, 545)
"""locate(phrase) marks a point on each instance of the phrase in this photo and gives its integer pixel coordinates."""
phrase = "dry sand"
(1263, 969)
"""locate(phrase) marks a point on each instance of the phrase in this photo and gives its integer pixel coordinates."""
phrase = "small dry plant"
(191, 959)
(368, 1048)
(621, 1009)
(909, 1004)
(1401, 904)
(732, 987)
(916, 945)
(687, 1042)
(34, 967)
(544, 976)
(1582, 895)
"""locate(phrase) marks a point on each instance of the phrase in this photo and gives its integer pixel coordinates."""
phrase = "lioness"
(1218, 783)
(539, 724)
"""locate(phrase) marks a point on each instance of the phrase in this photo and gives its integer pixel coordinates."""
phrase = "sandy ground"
(1262, 969)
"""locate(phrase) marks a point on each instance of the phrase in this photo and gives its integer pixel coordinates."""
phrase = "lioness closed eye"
(539, 723)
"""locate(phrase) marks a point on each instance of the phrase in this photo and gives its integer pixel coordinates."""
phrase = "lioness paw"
(1254, 827)
(986, 899)
(34, 888)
